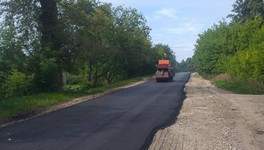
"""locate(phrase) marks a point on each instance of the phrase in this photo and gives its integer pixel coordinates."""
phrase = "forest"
(235, 48)
(48, 46)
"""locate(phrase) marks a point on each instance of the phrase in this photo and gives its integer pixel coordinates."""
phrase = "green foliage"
(15, 106)
(187, 65)
(241, 86)
(90, 39)
(11, 54)
(247, 62)
(247, 65)
(110, 44)
(211, 49)
(46, 76)
(132, 34)
(236, 49)
(166, 49)
(16, 84)
(247, 10)
(96, 44)
(74, 79)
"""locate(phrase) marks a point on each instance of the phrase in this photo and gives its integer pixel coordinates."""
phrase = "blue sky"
(177, 23)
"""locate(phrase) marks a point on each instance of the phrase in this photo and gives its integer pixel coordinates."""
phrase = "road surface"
(125, 120)
(214, 119)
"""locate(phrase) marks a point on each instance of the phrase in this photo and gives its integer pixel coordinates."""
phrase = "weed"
(240, 86)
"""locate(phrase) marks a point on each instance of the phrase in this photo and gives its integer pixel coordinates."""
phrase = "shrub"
(17, 84)
(246, 65)
(74, 79)
(46, 78)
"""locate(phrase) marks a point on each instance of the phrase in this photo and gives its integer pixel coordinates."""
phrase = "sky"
(177, 23)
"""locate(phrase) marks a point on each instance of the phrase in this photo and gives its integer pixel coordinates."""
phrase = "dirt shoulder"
(68, 103)
(212, 118)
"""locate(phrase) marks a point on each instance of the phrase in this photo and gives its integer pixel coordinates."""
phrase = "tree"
(247, 63)
(37, 20)
(41, 39)
(211, 49)
(11, 55)
(166, 49)
(247, 10)
(132, 35)
(187, 65)
(92, 36)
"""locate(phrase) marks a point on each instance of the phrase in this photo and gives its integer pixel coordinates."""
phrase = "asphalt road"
(123, 120)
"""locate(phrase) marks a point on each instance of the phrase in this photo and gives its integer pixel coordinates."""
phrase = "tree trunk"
(95, 76)
(109, 77)
(49, 21)
(90, 72)
(50, 41)
(60, 79)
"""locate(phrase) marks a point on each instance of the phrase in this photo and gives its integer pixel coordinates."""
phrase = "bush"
(74, 79)
(247, 65)
(17, 84)
(46, 78)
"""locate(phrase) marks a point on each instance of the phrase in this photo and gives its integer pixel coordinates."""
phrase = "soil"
(212, 118)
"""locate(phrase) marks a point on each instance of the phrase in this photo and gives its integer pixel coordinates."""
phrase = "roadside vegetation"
(18, 107)
(235, 48)
(52, 51)
(240, 86)
(186, 65)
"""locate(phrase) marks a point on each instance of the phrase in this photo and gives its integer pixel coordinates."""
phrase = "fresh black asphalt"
(122, 120)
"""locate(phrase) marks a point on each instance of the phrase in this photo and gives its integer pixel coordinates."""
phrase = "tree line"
(186, 65)
(91, 42)
(234, 48)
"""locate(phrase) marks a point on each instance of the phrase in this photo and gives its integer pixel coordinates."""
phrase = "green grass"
(241, 87)
(73, 87)
(22, 105)
(17, 106)
(208, 76)
(113, 85)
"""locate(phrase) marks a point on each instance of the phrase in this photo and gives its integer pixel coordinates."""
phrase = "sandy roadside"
(212, 118)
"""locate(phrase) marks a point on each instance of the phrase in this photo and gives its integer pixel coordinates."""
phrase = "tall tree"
(92, 36)
(49, 24)
(186, 65)
(212, 47)
(132, 35)
(11, 55)
(247, 10)
(36, 20)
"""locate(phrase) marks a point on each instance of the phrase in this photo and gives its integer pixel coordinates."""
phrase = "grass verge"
(241, 87)
(208, 76)
(16, 107)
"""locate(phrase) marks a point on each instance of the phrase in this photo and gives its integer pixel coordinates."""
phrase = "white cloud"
(178, 22)
(187, 28)
(171, 13)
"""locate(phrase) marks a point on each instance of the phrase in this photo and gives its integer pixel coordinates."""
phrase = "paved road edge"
(72, 102)
(170, 121)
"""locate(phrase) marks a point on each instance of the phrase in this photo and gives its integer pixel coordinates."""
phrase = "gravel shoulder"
(212, 118)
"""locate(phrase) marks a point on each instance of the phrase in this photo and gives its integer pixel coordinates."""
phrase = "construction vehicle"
(164, 71)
